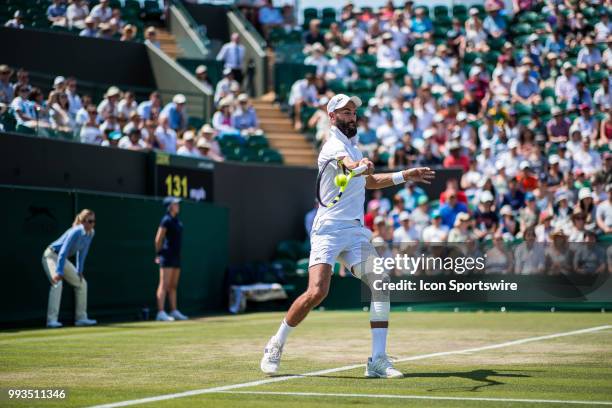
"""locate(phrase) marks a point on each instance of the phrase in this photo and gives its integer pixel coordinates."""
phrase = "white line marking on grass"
(344, 368)
(417, 397)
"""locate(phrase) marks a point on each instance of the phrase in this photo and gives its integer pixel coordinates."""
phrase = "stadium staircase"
(294, 147)
(168, 43)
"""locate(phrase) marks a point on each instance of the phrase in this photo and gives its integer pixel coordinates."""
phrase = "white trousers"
(49, 262)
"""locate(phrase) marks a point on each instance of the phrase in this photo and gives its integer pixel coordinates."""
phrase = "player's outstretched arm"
(384, 180)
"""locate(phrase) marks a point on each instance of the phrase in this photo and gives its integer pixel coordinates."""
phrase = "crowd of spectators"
(530, 132)
(117, 120)
(101, 21)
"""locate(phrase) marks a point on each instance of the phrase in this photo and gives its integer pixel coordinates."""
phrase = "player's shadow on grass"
(481, 376)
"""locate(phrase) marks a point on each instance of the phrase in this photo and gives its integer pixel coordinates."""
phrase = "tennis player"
(338, 233)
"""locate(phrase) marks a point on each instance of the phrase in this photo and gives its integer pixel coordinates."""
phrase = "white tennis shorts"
(346, 241)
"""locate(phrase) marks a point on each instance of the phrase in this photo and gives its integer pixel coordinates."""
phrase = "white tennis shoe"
(381, 368)
(178, 315)
(162, 316)
(272, 356)
(54, 324)
(86, 322)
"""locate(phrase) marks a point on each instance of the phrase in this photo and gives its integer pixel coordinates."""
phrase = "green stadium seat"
(361, 85)
(595, 77)
(425, 9)
(310, 13)
(442, 21)
(271, 156)
(329, 13)
(195, 123)
(339, 86)
(459, 10)
(440, 11)
(522, 29)
(548, 93)
(257, 142)
(469, 57)
(151, 9)
(522, 109)
(529, 17)
(25, 130)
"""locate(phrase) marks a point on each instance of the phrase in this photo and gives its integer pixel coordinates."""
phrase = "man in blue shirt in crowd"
(176, 113)
(451, 208)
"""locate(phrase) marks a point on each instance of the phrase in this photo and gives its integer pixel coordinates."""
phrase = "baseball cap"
(171, 200)
(524, 165)
(584, 192)
(243, 97)
(379, 219)
(201, 69)
(339, 101)
(422, 200)
(529, 196)
(553, 159)
(436, 214)
(179, 99)
(404, 216)
(59, 80)
(461, 116)
(512, 143)
(227, 71)
(486, 196)
(567, 65)
(188, 135)
(115, 135)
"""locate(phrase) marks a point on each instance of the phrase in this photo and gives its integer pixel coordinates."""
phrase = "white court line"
(344, 368)
(416, 397)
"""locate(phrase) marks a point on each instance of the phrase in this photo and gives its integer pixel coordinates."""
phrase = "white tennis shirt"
(350, 206)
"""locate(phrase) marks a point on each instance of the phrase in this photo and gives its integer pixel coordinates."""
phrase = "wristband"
(398, 178)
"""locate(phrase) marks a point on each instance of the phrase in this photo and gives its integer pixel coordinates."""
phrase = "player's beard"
(349, 127)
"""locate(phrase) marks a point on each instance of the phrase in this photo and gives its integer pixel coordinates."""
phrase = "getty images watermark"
(488, 272)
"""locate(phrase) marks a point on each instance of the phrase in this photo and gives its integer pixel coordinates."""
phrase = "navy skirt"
(169, 261)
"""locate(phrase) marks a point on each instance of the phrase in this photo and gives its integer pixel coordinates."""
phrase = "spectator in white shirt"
(586, 159)
(387, 56)
(565, 86)
(232, 55)
(90, 131)
(589, 56)
(127, 105)
(82, 116)
(207, 138)
(340, 67)
(388, 91)
(436, 232)
(406, 232)
(387, 135)
(108, 106)
(133, 141)
(586, 123)
(354, 36)
(166, 136)
(303, 93)
(603, 95)
(76, 13)
(317, 57)
(224, 86)
(603, 28)
(222, 118)
(417, 64)
(101, 12)
(110, 123)
(74, 99)
(134, 122)
(201, 74)
(16, 21)
(188, 148)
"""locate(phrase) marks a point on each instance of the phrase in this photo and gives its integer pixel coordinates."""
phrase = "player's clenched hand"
(420, 175)
(367, 162)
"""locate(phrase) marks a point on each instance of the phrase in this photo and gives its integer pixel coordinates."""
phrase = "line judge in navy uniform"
(168, 250)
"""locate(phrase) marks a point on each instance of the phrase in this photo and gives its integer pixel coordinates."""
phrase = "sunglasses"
(91, 221)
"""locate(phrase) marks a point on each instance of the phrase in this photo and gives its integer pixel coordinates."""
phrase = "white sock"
(379, 342)
(283, 332)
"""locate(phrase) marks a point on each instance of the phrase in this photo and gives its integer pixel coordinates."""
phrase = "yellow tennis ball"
(340, 180)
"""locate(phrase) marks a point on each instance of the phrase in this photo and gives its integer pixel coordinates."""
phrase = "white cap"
(179, 98)
(554, 159)
(379, 219)
(201, 69)
(499, 164)
(486, 196)
(462, 116)
(243, 97)
(339, 101)
(584, 192)
(524, 165)
(486, 145)
(59, 80)
(506, 210)
(404, 216)
(512, 143)
(188, 135)
(428, 133)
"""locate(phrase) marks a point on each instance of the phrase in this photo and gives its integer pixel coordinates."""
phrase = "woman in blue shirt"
(168, 249)
(74, 242)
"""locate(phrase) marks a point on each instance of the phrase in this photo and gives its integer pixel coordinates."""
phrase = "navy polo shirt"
(172, 242)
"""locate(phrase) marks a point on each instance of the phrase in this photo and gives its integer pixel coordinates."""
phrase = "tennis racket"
(338, 176)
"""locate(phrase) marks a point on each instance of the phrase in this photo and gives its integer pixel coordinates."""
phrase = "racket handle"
(360, 169)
